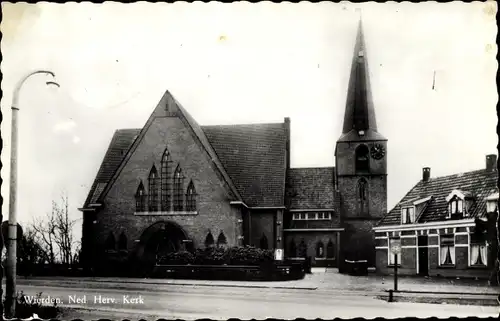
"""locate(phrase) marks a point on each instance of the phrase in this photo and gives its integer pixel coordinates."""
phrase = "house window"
(178, 182)
(362, 159)
(153, 190)
(447, 250)
(456, 206)
(478, 250)
(191, 198)
(140, 199)
(209, 240)
(330, 250)
(221, 240)
(408, 215)
(166, 182)
(392, 257)
(311, 216)
(320, 249)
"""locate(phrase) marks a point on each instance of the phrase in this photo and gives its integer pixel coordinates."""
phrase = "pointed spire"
(359, 112)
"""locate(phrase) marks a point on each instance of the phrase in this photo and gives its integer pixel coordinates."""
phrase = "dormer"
(492, 203)
(411, 209)
(458, 203)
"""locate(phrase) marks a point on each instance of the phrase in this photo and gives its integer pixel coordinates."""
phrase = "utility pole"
(10, 281)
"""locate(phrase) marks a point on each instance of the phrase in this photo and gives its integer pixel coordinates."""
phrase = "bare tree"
(54, 233)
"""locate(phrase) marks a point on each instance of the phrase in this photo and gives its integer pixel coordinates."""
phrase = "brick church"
(174, 184)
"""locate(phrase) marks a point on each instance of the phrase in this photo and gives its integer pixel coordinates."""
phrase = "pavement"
(149, 300)
(321, 278)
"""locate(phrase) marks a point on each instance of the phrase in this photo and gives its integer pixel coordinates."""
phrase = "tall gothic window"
(362, 159)
(263, 242)
(122, 242)
(110, 242)
(153, 190)
(363, 196)
(166, 182)
(221, 240)
(209, 240)
(191, 198)
(330, 250)
(140, 199)
(292, 249)
(320, 249)
(178, 190)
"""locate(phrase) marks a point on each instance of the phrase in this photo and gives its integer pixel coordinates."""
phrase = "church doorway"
(160, 239)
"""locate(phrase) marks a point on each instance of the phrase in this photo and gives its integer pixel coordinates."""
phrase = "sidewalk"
(318, 280)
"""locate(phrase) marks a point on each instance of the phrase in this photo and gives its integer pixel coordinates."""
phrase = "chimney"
(287, 133)
(426, 174)
(491, 162)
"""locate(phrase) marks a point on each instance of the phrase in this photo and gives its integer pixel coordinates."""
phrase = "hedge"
(240, 255)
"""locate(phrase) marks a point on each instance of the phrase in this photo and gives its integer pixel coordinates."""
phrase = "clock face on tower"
(378, 151)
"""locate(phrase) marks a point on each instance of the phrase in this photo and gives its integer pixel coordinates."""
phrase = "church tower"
(361, 163)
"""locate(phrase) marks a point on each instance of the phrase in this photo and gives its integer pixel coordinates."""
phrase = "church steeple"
(359, 118)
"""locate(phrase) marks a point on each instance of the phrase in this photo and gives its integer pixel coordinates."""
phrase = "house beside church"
(435, 225)
(175, 184)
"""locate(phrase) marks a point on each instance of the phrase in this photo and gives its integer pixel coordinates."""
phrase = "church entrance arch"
(160, 239)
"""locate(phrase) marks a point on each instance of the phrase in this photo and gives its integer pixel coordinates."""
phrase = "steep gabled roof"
(310, 188)
(118, 148)
(168, 105)
(478, 184)
(254, 156)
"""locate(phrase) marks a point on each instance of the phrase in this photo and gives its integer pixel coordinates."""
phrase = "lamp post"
(10, 284)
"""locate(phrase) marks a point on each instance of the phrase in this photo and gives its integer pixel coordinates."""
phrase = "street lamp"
(10, 284)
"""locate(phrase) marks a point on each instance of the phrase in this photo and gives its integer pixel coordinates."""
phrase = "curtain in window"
(447, 254)
(392, 258)
(478, 254)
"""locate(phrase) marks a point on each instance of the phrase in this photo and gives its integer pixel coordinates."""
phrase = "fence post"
(390, 296)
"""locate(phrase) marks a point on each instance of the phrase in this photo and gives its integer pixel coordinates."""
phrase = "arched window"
(320, 249)
(263, 242)
(110, 242)
(209, 240)
(330, 250)
(140, 199)
(191, 198)
(122, 242)
(166, 182)
(153, 190)
(362, 159)
(221, 240)
(178, 189)
(363, 196)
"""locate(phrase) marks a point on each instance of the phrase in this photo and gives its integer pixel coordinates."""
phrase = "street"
(152, 301)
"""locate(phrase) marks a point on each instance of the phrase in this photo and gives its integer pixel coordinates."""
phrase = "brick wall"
(377, 195)
(214, 212)
(311, 240)
(345, 158)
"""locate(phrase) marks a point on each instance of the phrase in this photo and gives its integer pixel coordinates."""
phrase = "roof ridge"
(456, 174)
(242, 124)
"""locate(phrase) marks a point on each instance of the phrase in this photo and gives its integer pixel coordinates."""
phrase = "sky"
(245, 63)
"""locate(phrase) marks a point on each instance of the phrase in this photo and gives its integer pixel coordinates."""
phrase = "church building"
(176, 185)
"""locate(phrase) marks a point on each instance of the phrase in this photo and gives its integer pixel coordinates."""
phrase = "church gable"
(169, 130)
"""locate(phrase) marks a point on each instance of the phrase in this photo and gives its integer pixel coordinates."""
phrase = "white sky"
(245, 63)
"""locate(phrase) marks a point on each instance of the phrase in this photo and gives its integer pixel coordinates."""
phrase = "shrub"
(182, 257)
(249, 255)
(211, 256)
